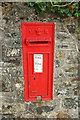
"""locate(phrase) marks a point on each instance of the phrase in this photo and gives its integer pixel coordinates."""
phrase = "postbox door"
(38, 74)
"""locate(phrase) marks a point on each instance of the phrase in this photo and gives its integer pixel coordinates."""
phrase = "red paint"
(38, 38)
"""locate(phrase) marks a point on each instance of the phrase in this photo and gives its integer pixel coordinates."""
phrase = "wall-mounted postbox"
(38, 54)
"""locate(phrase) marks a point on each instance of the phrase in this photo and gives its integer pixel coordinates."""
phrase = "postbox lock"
(34, 78)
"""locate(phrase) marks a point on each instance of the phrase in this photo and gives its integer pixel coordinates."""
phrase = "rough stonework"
(66, 81)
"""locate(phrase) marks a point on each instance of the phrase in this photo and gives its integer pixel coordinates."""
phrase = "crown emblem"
(38, 31)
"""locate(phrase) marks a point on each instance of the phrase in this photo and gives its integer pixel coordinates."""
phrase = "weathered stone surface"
(42, 109)
(6, 84)
(63, 92)
(8, 108)
(70, 103)
(70, 56)
(10, 52)
(66, 46)
(12, 71)
(63, 115)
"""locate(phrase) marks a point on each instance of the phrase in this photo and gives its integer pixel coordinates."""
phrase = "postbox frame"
(25, 56)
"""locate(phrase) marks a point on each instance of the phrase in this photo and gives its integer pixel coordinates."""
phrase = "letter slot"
(31, 43)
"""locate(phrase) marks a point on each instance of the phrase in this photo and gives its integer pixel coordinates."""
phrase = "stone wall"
(65, 87)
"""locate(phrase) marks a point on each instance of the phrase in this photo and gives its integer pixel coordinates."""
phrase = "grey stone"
(32, 107)
(13, 60)
(44, 109)
(12, 71)
(57, 63)
(69, 103)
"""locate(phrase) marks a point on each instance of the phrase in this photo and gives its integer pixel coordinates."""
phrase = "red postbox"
(38, 58)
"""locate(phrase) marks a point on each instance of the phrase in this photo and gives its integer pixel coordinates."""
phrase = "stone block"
(12, 71)
(11, 51)
(70, 103)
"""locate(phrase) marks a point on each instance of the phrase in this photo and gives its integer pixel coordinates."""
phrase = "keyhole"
(34, 78)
